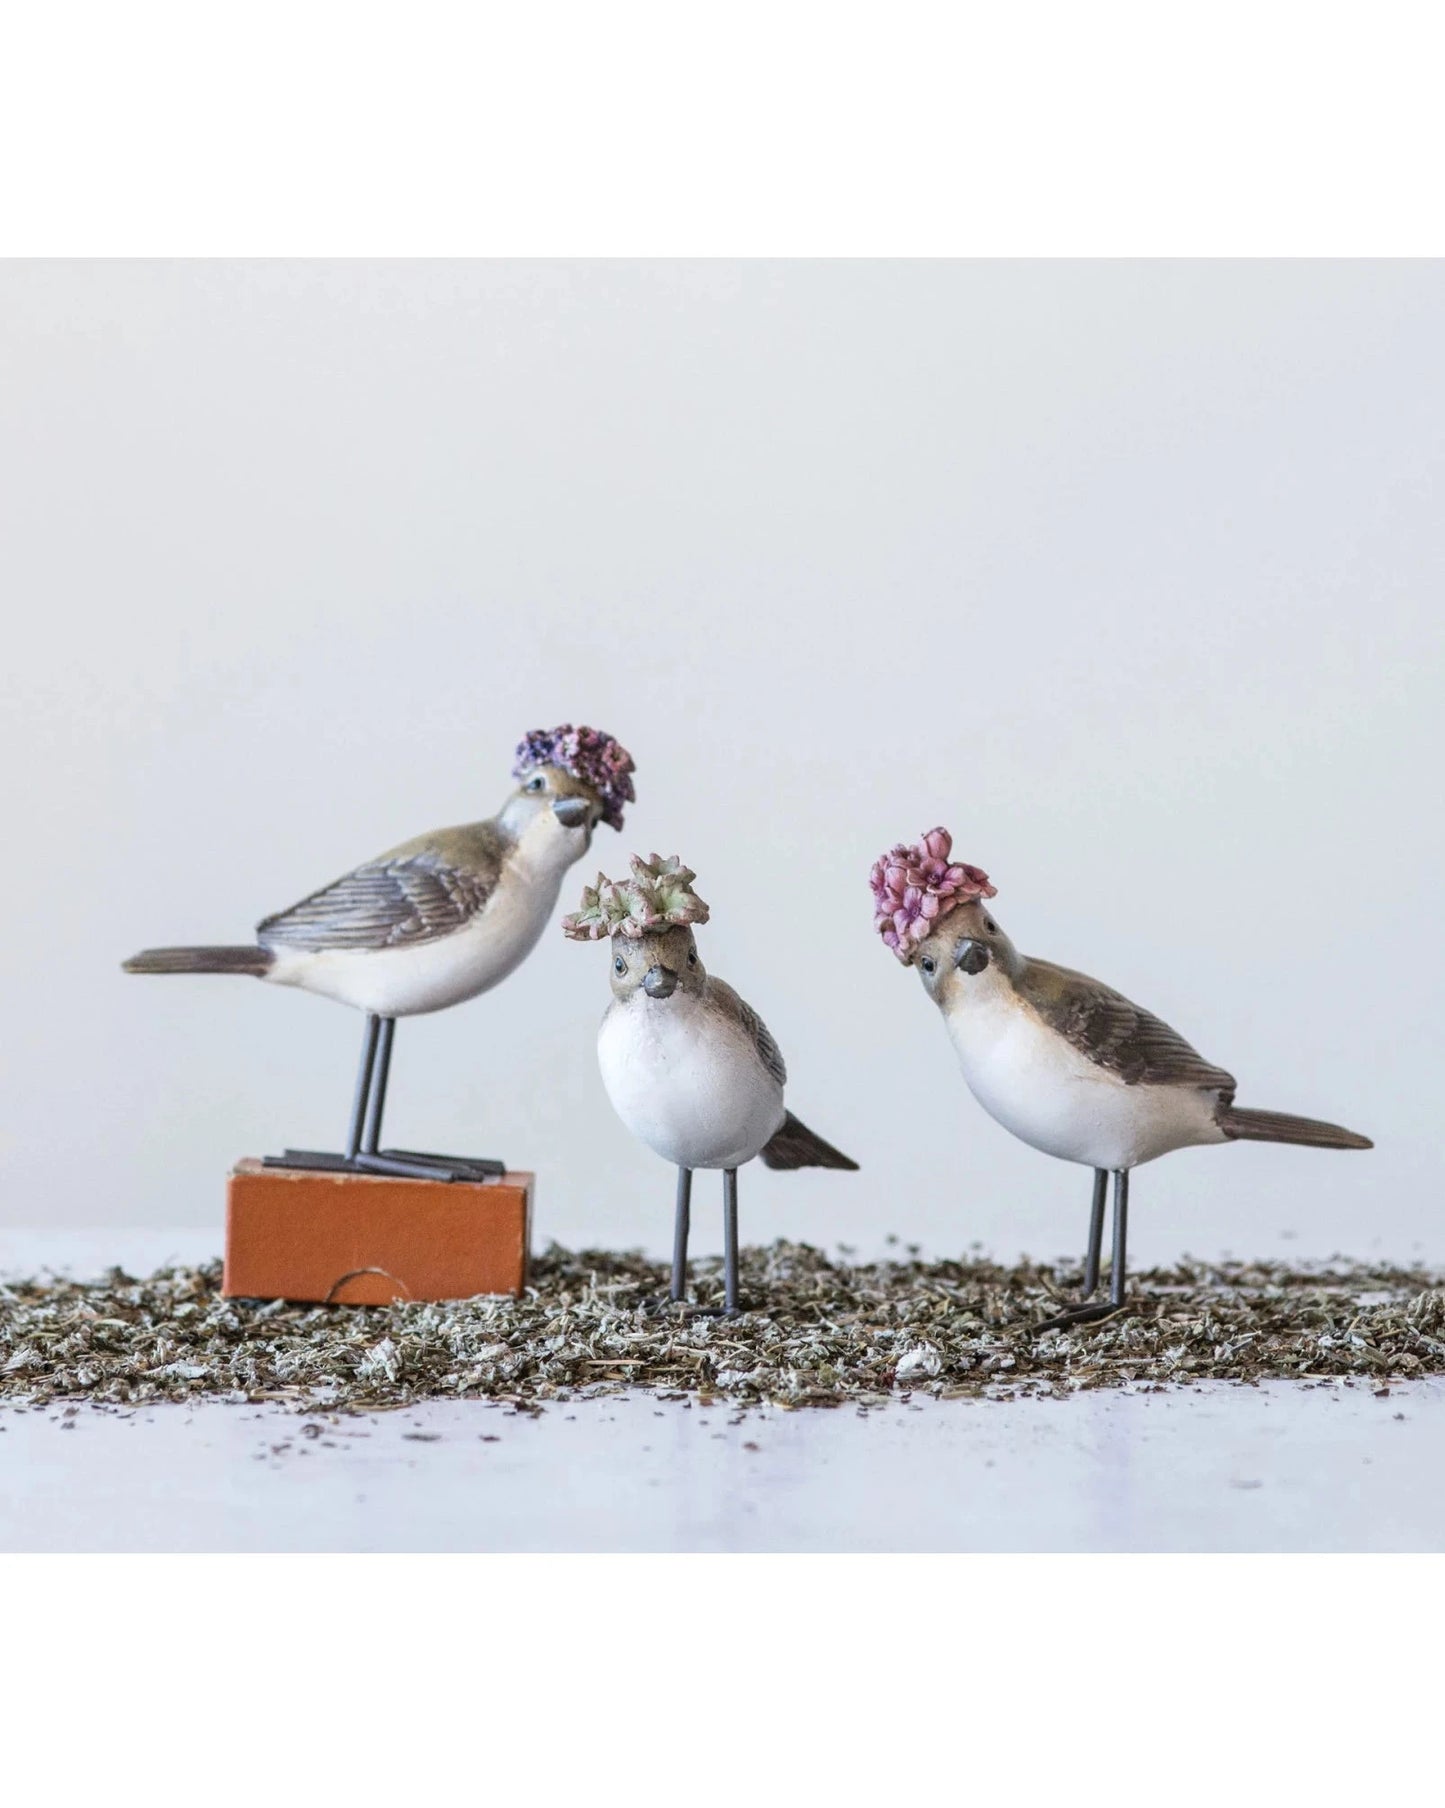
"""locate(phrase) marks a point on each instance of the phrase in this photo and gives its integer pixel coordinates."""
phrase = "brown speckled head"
(572, 801)
(656, 965)
(967, 946)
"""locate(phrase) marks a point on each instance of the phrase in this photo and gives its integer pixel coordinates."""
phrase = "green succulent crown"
(658, 896)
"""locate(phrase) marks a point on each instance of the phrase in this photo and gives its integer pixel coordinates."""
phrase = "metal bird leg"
(1081, 1315)
(381, 1073)
(370, 1035)
(730, 1241)
(729, 1307)
(681, 1227)
(363, 1155)
(1096, 1232)
(1121, 1236)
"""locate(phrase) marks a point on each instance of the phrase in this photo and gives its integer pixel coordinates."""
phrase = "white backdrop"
(1130, 574)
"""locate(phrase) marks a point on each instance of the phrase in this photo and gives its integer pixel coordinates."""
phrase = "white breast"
(687, 1082)
(1037, 1085)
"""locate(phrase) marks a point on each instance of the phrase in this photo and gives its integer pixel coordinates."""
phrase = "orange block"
(368, 1239)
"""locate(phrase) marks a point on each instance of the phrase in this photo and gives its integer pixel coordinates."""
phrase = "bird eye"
(619, 965)
(536, 784)
(990, 925)
(927, 963)
(692, 957)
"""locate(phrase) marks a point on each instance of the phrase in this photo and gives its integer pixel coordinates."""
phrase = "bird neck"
(974, 995)
(540, 848)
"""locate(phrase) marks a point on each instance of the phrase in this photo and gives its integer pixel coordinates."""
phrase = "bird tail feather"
(255, 961)
(1280, 1127)
(794, 1145)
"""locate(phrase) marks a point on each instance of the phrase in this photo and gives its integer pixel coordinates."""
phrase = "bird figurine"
(689, 1066)
(1066, 1063)
(438, 920)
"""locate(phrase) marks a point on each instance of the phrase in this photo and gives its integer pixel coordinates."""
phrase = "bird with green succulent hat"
(689, 1066)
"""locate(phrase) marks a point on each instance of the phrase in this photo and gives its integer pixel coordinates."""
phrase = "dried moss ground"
(824, 1332)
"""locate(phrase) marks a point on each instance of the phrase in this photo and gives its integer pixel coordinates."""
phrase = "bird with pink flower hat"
(1065, 1063)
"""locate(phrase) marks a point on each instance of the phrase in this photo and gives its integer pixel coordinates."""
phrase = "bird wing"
(1115, 1034)
(417, 893)
(742, 1013)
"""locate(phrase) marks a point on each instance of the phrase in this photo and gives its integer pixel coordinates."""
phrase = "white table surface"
(1275, 1468)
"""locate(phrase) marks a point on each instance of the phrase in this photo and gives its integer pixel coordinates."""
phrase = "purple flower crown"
(589, 755)
(658, 896)
(915, 887)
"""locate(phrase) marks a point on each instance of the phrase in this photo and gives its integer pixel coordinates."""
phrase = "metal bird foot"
(662, 1305)
(405, 1164)
(1082, 1315)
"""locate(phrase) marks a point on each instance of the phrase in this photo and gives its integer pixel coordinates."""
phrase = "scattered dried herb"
(828, 1332)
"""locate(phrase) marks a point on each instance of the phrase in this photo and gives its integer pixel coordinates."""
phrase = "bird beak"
(659, 982)
(572, 812)
(972, 957)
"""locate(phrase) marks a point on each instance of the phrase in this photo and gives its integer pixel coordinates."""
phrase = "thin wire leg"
(363, 1085)
(1096, 1231)
(1121, 1235)
(730, 1239)
(382, 1072)
(680, 1230)
(363, 1154)
(1083, 1315)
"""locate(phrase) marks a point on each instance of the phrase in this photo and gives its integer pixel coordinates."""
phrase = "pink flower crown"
(915, 887)
(597, 759)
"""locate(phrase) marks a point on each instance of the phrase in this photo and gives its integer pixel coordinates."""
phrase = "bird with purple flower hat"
(439, 919)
